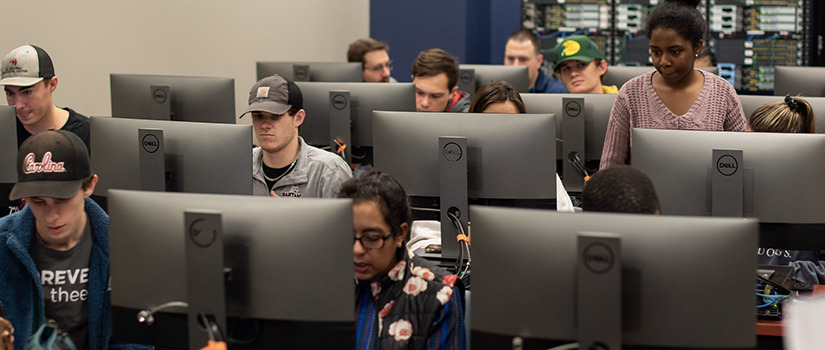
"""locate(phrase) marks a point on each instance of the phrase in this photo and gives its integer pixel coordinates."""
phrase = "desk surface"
(774, 327)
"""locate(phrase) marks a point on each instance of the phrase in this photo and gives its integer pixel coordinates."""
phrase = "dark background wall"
(474, 31)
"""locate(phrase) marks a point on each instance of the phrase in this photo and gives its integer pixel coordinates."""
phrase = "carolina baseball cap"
(576, 47)
(274, 94)
(25, 66)
(52, 164)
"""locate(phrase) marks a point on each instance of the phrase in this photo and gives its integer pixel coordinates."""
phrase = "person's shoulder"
(325, 158)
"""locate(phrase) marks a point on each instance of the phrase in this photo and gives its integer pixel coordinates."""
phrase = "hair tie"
(792, 102)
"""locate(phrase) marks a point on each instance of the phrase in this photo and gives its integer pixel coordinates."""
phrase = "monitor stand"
(727, 175)
(599, 291)
(205, 282)
(573, 145)
(162, 103)
(151, 158)
(340, 117)
(467, 81)
(453, 191)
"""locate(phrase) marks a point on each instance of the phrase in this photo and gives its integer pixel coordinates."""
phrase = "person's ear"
(300, 115)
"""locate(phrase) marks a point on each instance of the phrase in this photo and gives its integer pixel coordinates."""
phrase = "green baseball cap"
(576, 47)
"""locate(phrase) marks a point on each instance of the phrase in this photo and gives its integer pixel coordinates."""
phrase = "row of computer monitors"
(685, 282)
(509, 156)
(212, 99)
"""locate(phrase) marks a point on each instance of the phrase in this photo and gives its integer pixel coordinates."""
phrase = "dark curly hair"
(681, 16)
(620, 189)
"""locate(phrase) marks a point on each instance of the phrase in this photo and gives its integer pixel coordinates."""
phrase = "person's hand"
(6, 335)
(272, 193)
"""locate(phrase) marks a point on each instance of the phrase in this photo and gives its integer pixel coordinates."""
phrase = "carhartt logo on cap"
(14, 62)
(570, 48)
(46, 166)
(263, 92)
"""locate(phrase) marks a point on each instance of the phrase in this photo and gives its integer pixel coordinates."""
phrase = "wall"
(474, 31)
(90, 39)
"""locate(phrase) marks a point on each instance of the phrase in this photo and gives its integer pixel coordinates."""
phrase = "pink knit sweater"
(638, 106)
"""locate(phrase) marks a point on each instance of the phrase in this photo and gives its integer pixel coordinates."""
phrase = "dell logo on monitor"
(150, 143)
(573, 109)
(159, 95)
(339, 102)
(727, 165)
(598, 258)
(452, 152)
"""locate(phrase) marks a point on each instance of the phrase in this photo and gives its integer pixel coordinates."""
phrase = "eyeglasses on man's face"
(380, 67)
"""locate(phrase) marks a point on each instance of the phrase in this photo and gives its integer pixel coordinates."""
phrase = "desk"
(769, 332)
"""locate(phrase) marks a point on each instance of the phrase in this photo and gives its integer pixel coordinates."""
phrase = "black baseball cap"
(52, 164)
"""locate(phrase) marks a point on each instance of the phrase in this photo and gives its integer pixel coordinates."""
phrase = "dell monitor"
(618, 75)
(751, 102)
(775, 177)
(805, 81)
(167, 97)
(8, 145)
(162, 155)
(277, 270)
(596, 113)
(672, 282)
(311, 71)
(8, 158)
(445, 158)
(327, 104)
(472, 76)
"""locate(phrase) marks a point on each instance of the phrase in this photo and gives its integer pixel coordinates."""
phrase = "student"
(435, 74)
(29, 80)
(794, 115)
(675, 95)
(500, 97)
(580, 66)
(54, 254)
(620, 189)
(374, 57)
(523, 48)
(284, 165)
(402, 300)
(706, 58)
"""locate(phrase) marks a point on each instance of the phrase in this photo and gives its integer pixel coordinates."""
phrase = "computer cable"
(578, 165)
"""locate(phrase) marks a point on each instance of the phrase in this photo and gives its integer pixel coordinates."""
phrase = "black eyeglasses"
(372, 241)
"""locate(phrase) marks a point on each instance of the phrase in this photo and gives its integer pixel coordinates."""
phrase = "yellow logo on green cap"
(570, 48)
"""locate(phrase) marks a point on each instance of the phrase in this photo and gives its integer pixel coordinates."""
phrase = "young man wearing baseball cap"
(54, 254)
(27, 74)
(580, 66)
(284, 165)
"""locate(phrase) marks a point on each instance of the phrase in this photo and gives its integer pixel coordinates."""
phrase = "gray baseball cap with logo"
(274, 94)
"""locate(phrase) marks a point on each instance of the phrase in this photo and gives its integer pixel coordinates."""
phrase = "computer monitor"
(506, 159)
(8, 157)
(751, 102)
(284, 274)
(618, 75)
(805, 81)
(472, 76)
(168, 97)
(8, 145)
(311, 71)
(686, 282)
(184, 157)
(780, 182)
(364, 98)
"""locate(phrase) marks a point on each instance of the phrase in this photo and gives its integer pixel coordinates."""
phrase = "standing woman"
(675, 95)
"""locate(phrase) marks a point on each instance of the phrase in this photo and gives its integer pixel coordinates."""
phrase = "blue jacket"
(20, 289)
(545, 84)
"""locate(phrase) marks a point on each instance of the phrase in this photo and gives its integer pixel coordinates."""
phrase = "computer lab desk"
(769, 332)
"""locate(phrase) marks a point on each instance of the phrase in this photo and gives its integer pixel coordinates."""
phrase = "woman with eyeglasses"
(402, 300)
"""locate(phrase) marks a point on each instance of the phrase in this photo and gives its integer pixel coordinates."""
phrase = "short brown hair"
(526, 34)
(362, 46)
(431, 62)
(496, 91)
(794, 115)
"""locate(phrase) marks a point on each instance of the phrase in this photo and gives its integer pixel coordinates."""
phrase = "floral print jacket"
(414, 307)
